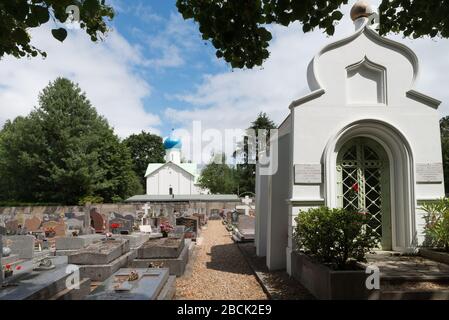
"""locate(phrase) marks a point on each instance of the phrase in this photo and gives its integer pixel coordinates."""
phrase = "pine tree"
(63, 151)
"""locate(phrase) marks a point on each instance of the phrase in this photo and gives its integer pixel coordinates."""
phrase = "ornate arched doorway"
(363, 185)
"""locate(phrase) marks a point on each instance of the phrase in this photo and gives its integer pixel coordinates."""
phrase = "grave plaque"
(308, 173)
(429, 172)
(33, 224)
(148, 285)
(191, 224)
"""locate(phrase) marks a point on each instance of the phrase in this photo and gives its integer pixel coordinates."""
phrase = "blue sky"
(178, 57)
(153, 72)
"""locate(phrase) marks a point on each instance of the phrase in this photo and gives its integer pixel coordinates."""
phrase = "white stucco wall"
(362, 86)
(170, 175)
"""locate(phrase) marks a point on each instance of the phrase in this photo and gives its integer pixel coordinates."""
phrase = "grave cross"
(146, 207)
(248, 202)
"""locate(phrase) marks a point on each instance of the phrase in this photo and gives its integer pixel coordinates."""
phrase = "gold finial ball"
(361, 9)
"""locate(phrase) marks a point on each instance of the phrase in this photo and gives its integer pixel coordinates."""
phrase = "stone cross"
(146, 207)
(248, 202)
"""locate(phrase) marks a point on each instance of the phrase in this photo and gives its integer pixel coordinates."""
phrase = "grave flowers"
(165, 229)
(7, 271)
(114, 227)
(50, 232)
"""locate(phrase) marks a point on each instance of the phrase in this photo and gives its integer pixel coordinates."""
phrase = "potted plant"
(436, 230)
(166, 228)
(330, 244)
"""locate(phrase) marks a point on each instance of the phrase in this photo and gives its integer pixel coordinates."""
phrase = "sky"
(153, 72)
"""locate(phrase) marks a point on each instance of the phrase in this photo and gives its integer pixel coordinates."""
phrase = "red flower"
(166, 227)
(18, 268)
(355, 187)
(8, 267)
(115, 225)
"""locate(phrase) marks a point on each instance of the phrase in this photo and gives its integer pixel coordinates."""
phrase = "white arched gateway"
(363, 138)
(382, 160)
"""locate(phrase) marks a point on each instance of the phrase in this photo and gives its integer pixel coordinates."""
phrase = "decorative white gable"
(364, 124)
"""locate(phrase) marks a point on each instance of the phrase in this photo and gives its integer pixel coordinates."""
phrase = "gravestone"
(171, 253)
(75, 224)
(191, 224)
(97, 221)
(98, 261)
(12, 226)
(31, 284)
(151, 284)
(76, 243)
(136, 239)
(100, 253)
(59, 226)
(245, 229)
(161, 248)
(124, 226)
(22, 245)
(87, 219)
(33, 224)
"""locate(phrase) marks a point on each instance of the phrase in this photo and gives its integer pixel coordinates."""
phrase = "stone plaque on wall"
(308, 173)
(429, 172)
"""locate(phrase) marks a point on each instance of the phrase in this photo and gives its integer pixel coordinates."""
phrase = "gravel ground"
(279, 284)
(219, 271)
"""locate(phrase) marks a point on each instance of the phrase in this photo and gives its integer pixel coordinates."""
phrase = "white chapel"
(364, 129)
(172, 177)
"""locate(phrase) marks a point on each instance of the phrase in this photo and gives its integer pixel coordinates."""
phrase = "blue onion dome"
(172, 142)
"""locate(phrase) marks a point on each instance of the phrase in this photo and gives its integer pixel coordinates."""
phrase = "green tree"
(63, 151)
(218, 177)
(246, 171)
(444, 129)
(238, 29)
(17, 17)
(145, 148)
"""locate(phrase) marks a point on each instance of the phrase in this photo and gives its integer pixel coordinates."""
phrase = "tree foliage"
(246, 171)
(17, 17)
(238, 29)
(218, 177)
(145, 148)
(63, 151)
(444, 129)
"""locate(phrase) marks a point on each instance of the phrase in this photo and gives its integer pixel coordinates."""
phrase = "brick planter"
(327, 284)
(439, 256)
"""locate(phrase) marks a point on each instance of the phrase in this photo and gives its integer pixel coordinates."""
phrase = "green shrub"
(436, 229)
(116, 199)
(90, 199)
(335, 237)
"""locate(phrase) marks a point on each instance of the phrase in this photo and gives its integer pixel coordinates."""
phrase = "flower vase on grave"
(7, 271)
(50, 232)
(165, 229)
(115, 228)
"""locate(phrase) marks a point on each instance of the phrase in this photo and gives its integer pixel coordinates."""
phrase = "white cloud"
(233, 99)
(106, 71)
(172, 43)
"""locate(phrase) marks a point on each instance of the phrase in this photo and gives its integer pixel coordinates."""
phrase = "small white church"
(364, 129)
(172, 177)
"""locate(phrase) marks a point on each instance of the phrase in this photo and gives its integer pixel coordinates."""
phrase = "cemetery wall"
(34, 218)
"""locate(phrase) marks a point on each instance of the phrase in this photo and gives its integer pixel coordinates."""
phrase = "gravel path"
(219, 272)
